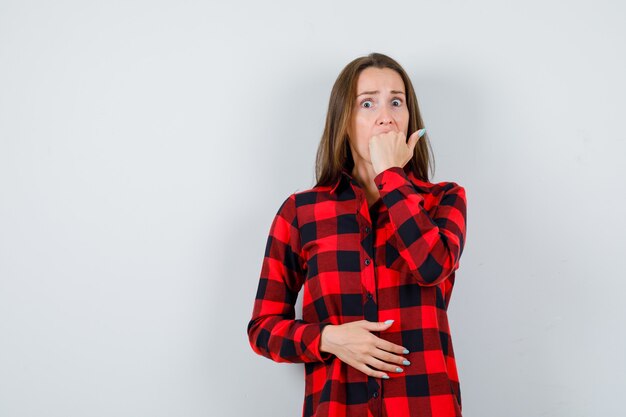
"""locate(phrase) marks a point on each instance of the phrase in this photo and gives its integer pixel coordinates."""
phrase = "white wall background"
(145, 147)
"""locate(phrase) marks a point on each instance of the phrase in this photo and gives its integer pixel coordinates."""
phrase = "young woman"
(373, 247)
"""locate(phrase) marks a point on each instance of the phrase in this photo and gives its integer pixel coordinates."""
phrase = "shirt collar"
(345, 176)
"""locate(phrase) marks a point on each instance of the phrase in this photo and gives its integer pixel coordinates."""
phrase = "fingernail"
(386, 376)
(406, 351)
(398, 369)
(388, 321)
(405, 362)
(421, 133)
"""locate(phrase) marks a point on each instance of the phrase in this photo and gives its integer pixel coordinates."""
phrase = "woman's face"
(380, 107)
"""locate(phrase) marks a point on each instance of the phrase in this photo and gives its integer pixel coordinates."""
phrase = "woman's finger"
(391, 347)
(375, 326)
(371, 372)
(385, 356)
(383, 366)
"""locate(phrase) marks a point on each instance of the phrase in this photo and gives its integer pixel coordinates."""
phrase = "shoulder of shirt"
(423, 187)
(434, 188)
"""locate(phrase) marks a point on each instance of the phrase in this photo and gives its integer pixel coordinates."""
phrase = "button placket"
(368, 281)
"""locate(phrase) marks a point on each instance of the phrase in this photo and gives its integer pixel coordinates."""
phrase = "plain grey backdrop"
(145, 147)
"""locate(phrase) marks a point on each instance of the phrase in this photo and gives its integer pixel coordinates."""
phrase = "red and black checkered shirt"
(394, 260)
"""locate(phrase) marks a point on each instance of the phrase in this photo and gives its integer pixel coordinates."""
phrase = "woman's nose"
(384, 117)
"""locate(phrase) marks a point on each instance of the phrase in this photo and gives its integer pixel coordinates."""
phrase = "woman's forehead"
(373, 80)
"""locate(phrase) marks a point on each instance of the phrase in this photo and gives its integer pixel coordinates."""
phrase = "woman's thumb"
(412, 141)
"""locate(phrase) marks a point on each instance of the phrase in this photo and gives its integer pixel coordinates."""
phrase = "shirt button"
(367, 262)
(376, 394)
(369, 296)
(367, 229)
(380, 186)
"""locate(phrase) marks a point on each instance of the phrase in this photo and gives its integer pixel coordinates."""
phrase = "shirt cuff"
(314, 347)
(390, 179)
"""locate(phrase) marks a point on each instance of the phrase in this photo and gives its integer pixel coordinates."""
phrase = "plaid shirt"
(394, 260)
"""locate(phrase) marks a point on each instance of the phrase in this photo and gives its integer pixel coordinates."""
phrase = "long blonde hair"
(333, 152)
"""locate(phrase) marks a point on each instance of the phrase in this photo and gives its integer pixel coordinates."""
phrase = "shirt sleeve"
(430, 246)
(273, 331)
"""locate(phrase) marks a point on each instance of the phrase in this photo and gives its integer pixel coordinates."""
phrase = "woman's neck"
(364, 174)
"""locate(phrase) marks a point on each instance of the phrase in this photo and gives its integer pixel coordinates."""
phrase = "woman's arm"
(272, 330)
(430, 246)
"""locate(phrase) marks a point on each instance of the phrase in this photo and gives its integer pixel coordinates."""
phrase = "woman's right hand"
(353, 344)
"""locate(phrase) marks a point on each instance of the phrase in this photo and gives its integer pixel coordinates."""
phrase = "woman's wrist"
(324, 338)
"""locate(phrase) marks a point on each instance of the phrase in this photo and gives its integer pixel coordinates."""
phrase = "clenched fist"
(391, 149)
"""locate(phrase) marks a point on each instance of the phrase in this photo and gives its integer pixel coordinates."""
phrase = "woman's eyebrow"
(376, 92)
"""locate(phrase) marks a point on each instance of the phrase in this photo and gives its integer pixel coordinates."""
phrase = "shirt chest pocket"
(390, 251)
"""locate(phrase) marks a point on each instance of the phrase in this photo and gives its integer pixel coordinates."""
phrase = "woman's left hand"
(391, 149)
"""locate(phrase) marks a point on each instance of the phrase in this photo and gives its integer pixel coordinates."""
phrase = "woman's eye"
(365, 103)
(397, 100)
